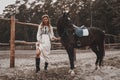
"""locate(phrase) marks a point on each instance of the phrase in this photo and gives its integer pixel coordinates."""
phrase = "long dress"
(44, 36)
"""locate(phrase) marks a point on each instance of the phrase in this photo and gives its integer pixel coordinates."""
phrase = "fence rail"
(57, 44)
(24, 23)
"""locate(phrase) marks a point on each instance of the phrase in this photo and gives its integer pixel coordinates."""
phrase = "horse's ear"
(68, 13)
(65, 13)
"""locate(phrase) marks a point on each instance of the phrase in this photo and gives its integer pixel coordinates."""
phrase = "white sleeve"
(39, 34)
(51, 32)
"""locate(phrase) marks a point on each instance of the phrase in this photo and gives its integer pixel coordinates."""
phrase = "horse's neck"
(65, 29)
(60, 30)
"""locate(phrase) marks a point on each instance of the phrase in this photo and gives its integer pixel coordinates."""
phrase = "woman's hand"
(55, 39)
(37, 43)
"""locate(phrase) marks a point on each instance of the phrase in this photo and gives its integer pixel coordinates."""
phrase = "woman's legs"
(38, 53)
(46, 57)
(46, 66)
(37, 60)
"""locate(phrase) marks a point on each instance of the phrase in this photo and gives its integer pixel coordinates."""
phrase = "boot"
(37, 64)
(45, 67)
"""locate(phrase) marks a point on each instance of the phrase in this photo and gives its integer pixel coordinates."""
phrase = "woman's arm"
(52, 35)
(39, 34)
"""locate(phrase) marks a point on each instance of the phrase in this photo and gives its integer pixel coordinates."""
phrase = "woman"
(43, 45)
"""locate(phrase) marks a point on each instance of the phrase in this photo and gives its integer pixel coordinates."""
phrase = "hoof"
(72, 72)
(37, 70)
(97, 67)
(46, 71)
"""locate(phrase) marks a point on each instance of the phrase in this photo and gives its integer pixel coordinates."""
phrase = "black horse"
(69, 39)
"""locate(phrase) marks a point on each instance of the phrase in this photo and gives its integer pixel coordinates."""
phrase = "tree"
(105, 15)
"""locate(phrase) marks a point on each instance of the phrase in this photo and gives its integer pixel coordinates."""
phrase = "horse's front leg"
(70, 51)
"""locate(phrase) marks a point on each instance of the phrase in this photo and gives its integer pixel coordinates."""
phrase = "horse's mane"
(60, 27)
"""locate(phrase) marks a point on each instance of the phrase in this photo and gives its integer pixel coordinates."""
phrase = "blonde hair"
(42, 23)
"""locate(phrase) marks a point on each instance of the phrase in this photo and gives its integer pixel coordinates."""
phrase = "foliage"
(105, 15)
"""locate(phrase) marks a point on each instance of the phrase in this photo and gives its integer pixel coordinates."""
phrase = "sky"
(4, 3)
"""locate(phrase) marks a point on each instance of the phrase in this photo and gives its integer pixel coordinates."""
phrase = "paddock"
(12, 37)
(59, 66)
(23, 62)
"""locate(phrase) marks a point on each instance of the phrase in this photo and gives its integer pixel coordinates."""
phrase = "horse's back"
(96, 31)
(95, 35)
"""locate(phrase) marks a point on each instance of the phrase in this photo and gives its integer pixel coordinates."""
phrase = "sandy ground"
(59, 66)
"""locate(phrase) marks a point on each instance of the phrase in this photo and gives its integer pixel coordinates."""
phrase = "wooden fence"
(12, 37)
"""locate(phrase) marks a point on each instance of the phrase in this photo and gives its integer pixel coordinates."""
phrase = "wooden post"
(12, 45)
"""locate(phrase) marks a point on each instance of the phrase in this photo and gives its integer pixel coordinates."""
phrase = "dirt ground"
(59, 66)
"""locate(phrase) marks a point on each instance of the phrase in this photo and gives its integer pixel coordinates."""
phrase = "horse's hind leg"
(95, 49)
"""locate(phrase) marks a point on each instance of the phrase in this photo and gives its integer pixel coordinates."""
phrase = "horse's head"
(64, 23)
(66, 19)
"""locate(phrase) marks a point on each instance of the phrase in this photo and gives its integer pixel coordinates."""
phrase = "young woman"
(44, 36)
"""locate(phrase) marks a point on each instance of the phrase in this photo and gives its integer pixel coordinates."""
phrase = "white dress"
(44, 40)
